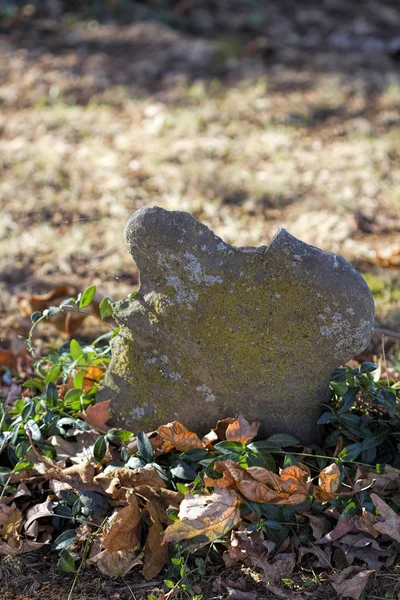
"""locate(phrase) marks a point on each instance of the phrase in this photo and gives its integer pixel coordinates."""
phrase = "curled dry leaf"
(161, 499)
(261, 485)
(250, 547)
(366, 522)
(328, 483)
(318, 525)
(353, 586)
(343, 526)
(241, 430)
(155, 552)
(124, 528)
(45, 509)
(10, 530)
(218, 434)
(177, 436)
(391, 521)
(117, 564)
(119, 481)
(210, 516)
(98, 414)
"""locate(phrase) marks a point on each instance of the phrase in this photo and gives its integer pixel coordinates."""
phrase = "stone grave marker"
(216, 330)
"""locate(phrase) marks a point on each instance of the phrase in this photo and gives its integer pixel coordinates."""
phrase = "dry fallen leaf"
(177, 436)
(318, 525)
(391, 521)
(210, 516)
(118, 482)
(7, 359)
(92, 375)
(124, 528)
(155, 552)
(250, 547)
(161, 499)
(353, 586)
(10, 530)
(241, 430)
(98, 414)
(343, 526)
(328, 483)
(117, 564)
(261, 485)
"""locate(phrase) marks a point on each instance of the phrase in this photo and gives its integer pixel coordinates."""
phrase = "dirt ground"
(294, 123)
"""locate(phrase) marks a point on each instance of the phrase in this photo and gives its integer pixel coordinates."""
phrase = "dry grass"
(96, 123)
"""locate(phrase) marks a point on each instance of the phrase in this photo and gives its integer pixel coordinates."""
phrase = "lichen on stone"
(216, 330)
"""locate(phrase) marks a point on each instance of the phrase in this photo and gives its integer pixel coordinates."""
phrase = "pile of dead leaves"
(119, 517)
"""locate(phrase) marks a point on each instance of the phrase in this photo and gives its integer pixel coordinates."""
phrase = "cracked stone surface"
(216, 330)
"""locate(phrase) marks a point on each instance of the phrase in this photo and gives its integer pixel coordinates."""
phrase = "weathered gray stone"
(216, 330)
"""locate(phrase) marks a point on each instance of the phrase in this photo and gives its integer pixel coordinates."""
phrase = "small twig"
(129, 588)
(85, 552)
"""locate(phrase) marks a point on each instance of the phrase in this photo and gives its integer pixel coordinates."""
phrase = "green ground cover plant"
(169, 502)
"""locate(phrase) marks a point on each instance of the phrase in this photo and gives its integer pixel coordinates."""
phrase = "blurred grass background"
(251, 115)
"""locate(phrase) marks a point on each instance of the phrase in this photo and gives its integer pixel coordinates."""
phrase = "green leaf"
(28, 409)
(78, 379)
(326, 417)
(118, 436)
(52, 373)
(290, 461)
(183, 470)
(75, 350)
(374, 441)
(227, 447)
(283, 439)
(106, 308)
(36, 316)
(22, 465)
(100, 448)
(34, 429)
(350, 452)
(66, 562)
(51, 394)
(87, 296)
(169, 584)
(73, 394)
(34, 383)
(349, 399)
(22, 449)
(263, 446)
(145, 449)
(67, 538)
